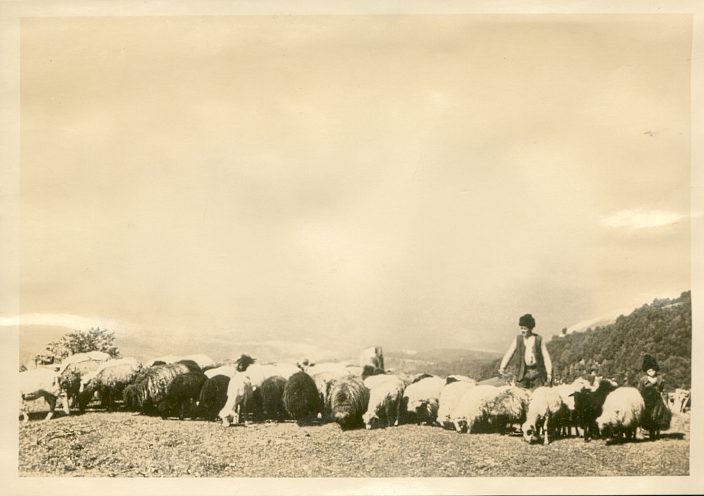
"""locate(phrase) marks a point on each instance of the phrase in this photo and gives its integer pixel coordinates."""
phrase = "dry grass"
(100, 444)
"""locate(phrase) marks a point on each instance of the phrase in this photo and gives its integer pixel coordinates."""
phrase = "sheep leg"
(398, 412)
(52, 406)
(546, 429)
(23, 411)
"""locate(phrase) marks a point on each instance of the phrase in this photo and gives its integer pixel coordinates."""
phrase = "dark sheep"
(272, 391)
(182, 394)
(349, 399)
(588, 406)
(191, 364)
(131, 399)
(370, 370)
(301, 398)
(243, 362)
(213, 396)
(153, 386)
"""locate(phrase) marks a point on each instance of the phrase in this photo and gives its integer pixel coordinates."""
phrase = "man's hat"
(527, 320)
(649, 362)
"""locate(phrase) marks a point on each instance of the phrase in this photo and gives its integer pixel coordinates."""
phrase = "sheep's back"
(624, 406)
(450, 395)
(159, 377)
(300, 396)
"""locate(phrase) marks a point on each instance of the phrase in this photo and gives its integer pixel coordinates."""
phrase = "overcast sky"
(412, 182)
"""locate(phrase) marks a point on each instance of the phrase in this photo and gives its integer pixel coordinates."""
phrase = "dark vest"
(538, 351)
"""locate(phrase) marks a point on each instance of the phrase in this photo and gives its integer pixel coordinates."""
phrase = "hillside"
(441, 361)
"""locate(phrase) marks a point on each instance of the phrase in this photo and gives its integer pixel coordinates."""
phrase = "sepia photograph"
(351, 249)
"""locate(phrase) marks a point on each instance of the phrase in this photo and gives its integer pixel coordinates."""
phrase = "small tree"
(95, 339)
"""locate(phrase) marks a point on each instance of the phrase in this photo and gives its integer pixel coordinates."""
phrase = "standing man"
(534, 365)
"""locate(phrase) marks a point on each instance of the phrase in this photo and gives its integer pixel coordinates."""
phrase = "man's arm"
(546, 359)
(507, 356)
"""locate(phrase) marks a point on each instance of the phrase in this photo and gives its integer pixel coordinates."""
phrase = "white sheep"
(385, 399)
(226, 370)
(473, 407)
(421, 399)
(545, 404)
(621, 413)
(339, 369)
(258, 373)
(96, 356)
(508, 407)
(239, 391)
(450, 395)
(41, 383)
(460, 377)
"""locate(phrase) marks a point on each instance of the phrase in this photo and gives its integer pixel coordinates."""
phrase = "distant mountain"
(440, 361)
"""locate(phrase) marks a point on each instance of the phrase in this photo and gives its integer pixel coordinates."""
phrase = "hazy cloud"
(642, 219)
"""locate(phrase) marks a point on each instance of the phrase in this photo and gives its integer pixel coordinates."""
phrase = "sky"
(414, 182)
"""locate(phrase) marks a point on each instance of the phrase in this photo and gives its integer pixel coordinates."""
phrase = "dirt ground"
(121, 444)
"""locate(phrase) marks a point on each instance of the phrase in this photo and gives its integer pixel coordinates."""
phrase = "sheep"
(567, 395)
(545, 405)
(385, 399)
(41, 383)
(459, 377)
(243, 362)
(191, 364)
(164, 360)
(272, 390)
(421, 399)
(338, 369)
(213, 396)
(227, 370)
(181, 395)
(239, 393)
(110, 380)
(151, 387)
(450, 395)
(508, 407)
(258, 373)
(70, 377)
(373, 380)
(621, 413)
(324, 382)
(349, 398)
(96, 356)
(301, 398)
(472, 407)
(354, 370)
(588, 405)
(203, 361)
(371, 370)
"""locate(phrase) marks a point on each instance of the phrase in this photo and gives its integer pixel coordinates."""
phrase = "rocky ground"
(121, 444)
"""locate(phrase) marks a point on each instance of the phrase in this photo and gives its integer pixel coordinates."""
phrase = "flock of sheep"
(364, 395)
